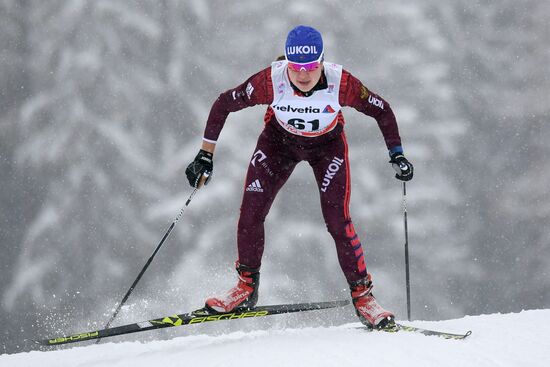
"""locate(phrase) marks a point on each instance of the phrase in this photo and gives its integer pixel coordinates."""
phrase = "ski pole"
(149, 261)
(407, 279)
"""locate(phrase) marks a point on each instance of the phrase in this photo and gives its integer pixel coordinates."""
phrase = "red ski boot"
(243, 295)
(369, 311)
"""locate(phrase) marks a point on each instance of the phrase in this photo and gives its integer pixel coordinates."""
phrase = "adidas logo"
(255, 186)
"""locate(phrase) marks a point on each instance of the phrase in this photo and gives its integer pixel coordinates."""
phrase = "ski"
(196, 317)
(413, 329)
(442, 334)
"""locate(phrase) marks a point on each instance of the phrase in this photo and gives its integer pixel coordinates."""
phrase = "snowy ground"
(519, 339)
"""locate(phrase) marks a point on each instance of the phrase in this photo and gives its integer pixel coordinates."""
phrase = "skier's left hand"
(402, 166)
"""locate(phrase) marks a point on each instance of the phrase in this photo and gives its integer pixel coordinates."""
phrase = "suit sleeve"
(254, 91)
(354, 94)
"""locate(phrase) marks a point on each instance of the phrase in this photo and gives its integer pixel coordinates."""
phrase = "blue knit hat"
(303, 45)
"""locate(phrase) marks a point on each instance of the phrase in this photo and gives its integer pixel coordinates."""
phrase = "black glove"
(202, 165)
(402, 166)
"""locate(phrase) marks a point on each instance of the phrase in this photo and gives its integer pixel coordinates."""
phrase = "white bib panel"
(306, 116)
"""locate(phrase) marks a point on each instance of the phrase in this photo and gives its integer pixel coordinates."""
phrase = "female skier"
(303, 122)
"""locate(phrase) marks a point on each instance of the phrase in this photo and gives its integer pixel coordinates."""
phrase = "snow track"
(498, 340)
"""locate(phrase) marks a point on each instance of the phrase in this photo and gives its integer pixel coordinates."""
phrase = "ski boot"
(371, 314)
(243, 296)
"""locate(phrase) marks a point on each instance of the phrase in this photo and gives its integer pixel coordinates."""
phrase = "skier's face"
(305, 80)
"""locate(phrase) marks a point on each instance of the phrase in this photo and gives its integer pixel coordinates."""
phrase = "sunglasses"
(310, 66)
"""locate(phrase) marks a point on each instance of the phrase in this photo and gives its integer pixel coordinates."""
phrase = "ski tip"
(93, 335)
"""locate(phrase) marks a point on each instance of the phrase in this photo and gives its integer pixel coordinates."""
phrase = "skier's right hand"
(199, 171)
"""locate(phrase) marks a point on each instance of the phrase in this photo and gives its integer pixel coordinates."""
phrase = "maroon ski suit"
(277, 153)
